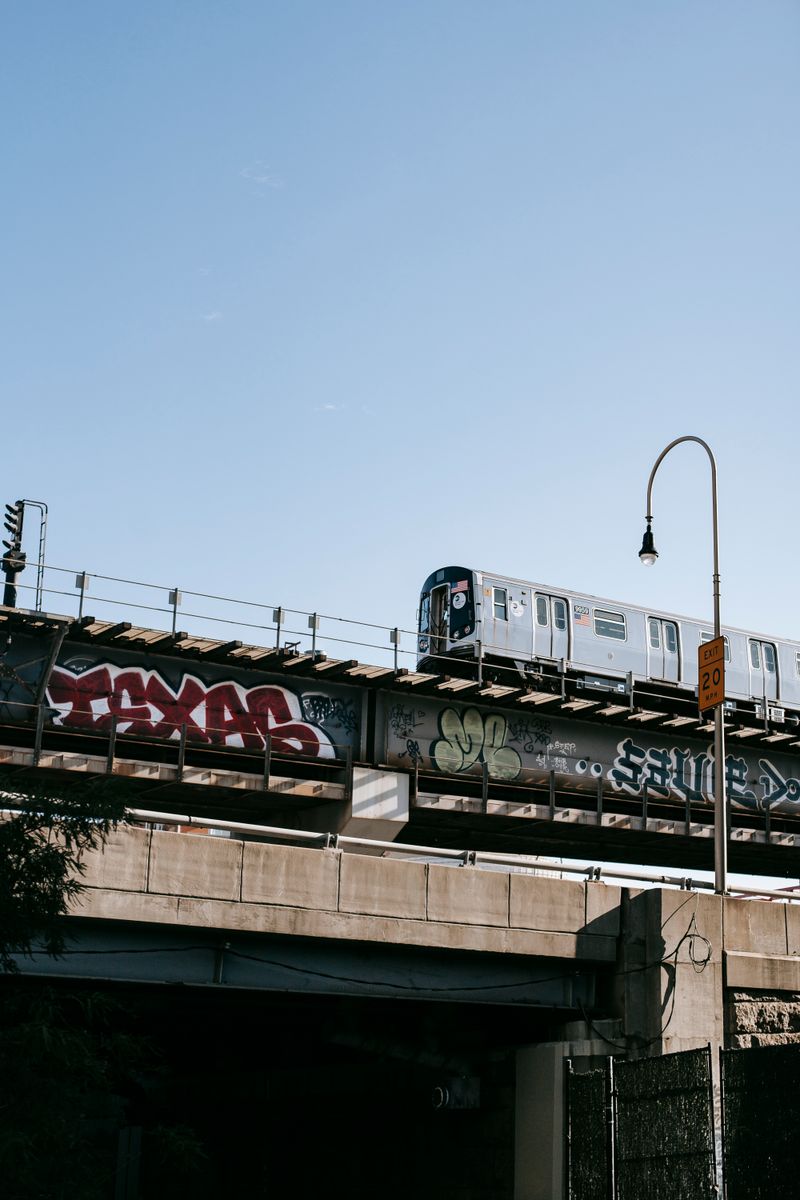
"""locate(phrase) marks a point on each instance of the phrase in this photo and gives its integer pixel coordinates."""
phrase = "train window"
(797, 661)
(559, 614)
(705, 636)
(755, 657)
(609, 624)
(769, 657)
(655, 634)
(671, 637)
(541, 610)
(425, 613)
(500, 598)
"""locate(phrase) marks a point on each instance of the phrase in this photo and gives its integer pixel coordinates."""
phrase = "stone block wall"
(760, 1018)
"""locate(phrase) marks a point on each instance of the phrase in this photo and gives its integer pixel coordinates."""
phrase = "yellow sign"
(711, 673)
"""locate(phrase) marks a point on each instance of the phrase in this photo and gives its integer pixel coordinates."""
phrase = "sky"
(304, 301)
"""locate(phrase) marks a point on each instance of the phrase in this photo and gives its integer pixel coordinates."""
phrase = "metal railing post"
(267, 759)
(82, 582)
(182, 753)
(112, 744)
(175, 599)
(37, 744)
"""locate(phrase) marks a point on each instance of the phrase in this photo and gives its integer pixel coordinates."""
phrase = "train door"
(763, 670)
(440, 618)
(551, 632)
(662, 649)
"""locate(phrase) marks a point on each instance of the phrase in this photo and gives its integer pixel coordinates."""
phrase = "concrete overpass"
(381, 975)
(537, 969)
(310, 742)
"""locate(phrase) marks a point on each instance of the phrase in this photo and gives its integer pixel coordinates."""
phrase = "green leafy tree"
(51, 822)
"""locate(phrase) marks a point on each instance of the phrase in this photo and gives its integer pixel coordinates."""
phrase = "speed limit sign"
(711, 674)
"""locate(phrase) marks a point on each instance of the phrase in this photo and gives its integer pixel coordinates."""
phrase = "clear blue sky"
(301, 301)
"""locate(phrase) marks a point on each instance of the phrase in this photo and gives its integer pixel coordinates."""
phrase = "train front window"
(425, 613)
(439, 618)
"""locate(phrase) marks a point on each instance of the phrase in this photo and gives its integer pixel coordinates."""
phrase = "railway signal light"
(14, 559)
(13, 523)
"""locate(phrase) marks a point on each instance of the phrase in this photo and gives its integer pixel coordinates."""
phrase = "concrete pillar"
(539, 1122)
(540, 1106)
(378, 808)
(671, 977)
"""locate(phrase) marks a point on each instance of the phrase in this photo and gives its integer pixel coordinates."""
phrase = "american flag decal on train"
(461, 586)
(580, 615)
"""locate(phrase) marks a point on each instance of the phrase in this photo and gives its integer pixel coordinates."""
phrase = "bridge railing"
(592, 872)
(79, 593)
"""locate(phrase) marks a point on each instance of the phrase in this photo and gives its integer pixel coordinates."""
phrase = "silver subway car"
(531, 628)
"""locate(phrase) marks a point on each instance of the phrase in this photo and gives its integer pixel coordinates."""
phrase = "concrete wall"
(683, 968)
(677, 953)
(211, 882)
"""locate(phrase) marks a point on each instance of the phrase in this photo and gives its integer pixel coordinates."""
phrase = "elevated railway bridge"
(224, 729)
(358, 949)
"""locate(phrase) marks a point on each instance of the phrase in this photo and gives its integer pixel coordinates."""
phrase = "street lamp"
(648, 555)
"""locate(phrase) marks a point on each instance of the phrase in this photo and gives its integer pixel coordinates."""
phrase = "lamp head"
(648, 553)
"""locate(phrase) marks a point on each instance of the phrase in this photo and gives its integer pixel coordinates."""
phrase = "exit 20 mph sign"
(711, 674)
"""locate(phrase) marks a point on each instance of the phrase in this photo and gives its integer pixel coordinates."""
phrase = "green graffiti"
(470, 737)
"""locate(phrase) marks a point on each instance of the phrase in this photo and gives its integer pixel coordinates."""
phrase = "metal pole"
(720, 772)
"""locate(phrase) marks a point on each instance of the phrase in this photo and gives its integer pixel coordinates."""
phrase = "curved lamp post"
(648, 554)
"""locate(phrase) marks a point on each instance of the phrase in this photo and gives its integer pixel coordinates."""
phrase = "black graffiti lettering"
(411, 751)
(403, 721)
(531, 734)
(330, 710)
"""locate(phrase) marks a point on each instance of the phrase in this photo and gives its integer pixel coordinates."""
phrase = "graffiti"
(330, 710)
(412, 751)
(659, 771)
(457, 738)
(690, 775)
(531, 733)
(778, 790)
(473, 737)
(224, 714)
(403, 721)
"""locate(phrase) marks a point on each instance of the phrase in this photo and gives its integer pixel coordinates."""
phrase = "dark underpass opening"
(215, 1092)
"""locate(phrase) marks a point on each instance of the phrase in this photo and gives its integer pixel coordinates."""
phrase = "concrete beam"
(210, 882)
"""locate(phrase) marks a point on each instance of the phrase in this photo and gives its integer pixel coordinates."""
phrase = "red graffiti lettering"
(272, 715)
(128, 702)
(78, 692)
(224, 714)
(176, 711)
(227, 720)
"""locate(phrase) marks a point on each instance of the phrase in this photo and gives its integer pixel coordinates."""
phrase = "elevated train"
(526, 630)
